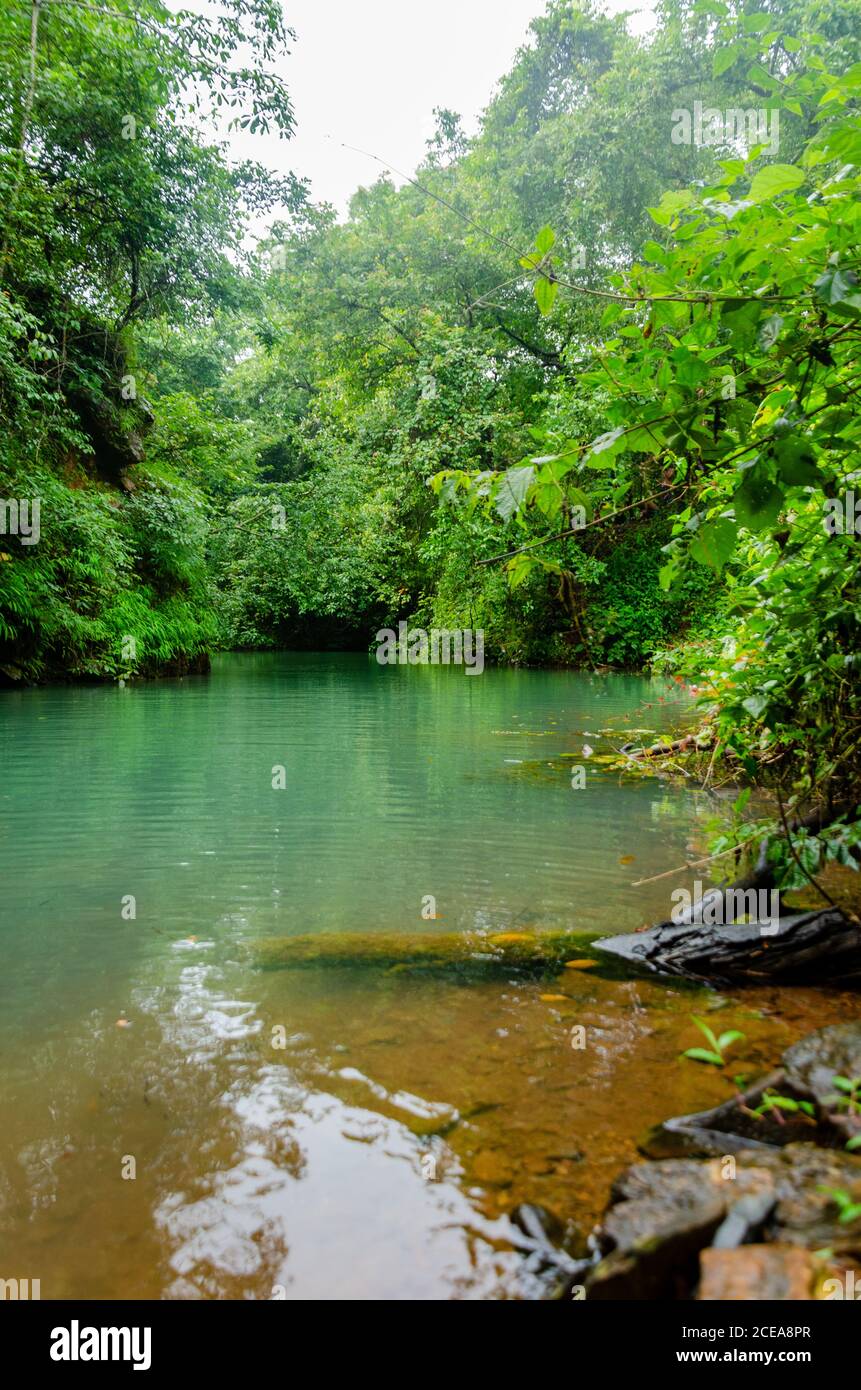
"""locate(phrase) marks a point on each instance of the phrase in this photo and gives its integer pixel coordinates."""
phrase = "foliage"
(114, 210)
(728, 372)
(714, 1053)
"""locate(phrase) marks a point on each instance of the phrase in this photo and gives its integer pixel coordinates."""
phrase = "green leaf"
(730, 1036)
(667, 575)
(713, 543)
(724, 59)
(545, 240)
(519, 569)
(796, 463)
(602, 451)
(756, 705)
(758, 500)
(839, 289)
(700, 1054)
(545, 293)
(706, 1031)
(511, 489)
(775, 179)
(769, 331)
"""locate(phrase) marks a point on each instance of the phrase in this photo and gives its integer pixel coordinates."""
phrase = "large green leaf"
(511, 489)
(775, 179)
(713, 543)
(758, 499)
(545, 293)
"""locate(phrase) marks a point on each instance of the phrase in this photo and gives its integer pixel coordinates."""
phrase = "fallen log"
(804, 947)
(706, 941)
(467, 953)
(657, 750)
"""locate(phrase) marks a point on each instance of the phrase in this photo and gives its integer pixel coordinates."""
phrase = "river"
(179, 1123)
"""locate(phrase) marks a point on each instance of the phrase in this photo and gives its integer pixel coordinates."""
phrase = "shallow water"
(379, 1152)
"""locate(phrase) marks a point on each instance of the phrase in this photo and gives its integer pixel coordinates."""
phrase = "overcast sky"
(370, 72)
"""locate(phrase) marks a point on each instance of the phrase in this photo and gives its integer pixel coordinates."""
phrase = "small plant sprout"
(849, 1209)
(713, 1055)
(773, 1103)
(847, 1095)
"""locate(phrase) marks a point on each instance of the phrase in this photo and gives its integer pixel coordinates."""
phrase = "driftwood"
(657, 750)
(708, 941)
(804, 946)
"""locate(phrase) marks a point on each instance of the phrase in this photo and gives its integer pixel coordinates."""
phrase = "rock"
(811, 1066)
(549, 1245)
(663, 1214)
(754, 1273)
(806, 1077)
(803, 946)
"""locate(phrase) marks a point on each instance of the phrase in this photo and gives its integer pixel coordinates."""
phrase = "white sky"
(370, 72)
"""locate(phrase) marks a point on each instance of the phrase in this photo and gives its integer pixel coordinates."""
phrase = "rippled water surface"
(379, 1149)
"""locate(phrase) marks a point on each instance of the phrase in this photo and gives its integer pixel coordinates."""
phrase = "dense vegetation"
(584, 381)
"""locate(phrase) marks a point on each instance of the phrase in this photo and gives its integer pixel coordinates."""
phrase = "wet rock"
(538, 1223)
(754, 1273)
(805, 1078)
(663, 1215)
(550, 1245)
(811, 1066)
(661, 1218)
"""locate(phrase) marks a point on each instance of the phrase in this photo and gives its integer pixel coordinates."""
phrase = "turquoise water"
(143, 1030)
